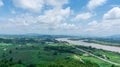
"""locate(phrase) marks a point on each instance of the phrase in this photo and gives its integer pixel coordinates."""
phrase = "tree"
(11, 59)
(10, 51)
(19, 62)
(55, 53)
(113, 65)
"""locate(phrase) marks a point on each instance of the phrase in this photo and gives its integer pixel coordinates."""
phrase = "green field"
(38, 52)
(114, 57)
(42, 52)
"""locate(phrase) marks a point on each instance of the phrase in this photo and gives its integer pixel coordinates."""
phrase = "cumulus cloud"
(37, 5)
(23, 19)
(34, 5)
(82, 16)
(57, 19)
(108, 26)
(105, 27)
(54, 19)
(114, 13)
(56, 3)
(95, 3)
(13, 12)
(55, 15)
(1, 3)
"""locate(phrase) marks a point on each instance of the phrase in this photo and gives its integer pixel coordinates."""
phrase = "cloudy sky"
(68, 17)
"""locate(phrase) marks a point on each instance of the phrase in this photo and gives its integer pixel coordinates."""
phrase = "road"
(98, 57)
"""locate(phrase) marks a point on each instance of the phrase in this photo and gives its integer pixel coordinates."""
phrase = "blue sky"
(64, 17)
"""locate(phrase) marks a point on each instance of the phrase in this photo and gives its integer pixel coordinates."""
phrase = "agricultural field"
(39, 52)
(111, 56)
(48, 52)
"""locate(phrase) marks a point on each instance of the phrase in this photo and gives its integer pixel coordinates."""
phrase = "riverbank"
(98, 46)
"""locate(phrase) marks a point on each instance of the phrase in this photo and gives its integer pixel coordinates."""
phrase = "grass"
(112, 56)
(95, 60)
(28, 54)
(35, 54)
(115, 57)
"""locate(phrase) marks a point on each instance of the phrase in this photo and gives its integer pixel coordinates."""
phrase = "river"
(94, 45)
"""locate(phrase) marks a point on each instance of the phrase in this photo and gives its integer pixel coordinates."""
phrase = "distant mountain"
(36, 35)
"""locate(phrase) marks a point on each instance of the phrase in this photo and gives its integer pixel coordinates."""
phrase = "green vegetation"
(48, 52)
(115, 57)
(38, 52)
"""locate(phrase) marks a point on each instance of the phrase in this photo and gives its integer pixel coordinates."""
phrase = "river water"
(98, 46)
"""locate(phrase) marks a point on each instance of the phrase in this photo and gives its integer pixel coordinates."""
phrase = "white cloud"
(13, 12)
(95, 3)
(1, 3)
(65, 26)
(37, 5)
(53, 19)
(115, 5)
(56, 3)
(114, 13)
(55, 15)
(93, 24)
(106, 27)
(24, 19)
(56, 20)
(34, 5)
(53, 25)
(82, 16)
